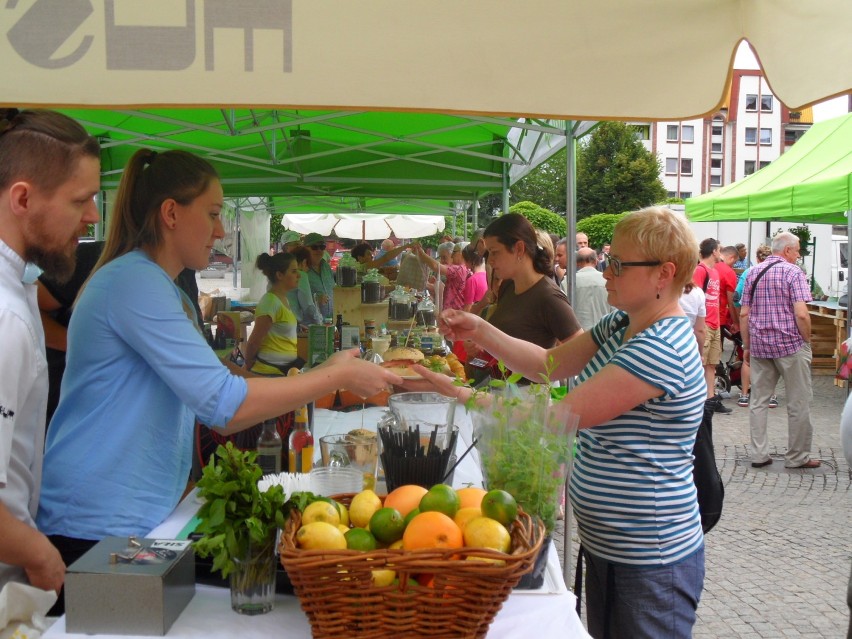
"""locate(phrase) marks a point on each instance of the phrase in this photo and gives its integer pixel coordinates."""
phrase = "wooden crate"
(828, 331)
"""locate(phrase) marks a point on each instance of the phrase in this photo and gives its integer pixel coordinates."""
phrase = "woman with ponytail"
(271, 348)
(529, 305)
(140, 373)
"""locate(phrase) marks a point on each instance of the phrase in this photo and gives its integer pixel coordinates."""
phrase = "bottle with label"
(301, 445)
(269, 446)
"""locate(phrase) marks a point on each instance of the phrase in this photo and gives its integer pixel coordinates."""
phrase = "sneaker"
(773, 402)
(719, 407)
(743, 400)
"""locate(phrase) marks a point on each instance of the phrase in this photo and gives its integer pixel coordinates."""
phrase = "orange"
(432, 530)
(470, 497)
(387, 525)
(500, 505)
(441, 498)
(405, 498)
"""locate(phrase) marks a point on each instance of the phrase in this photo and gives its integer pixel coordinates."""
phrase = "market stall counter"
(209, 614)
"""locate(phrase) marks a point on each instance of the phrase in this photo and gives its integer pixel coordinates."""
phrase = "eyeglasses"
(318, 247)
(616, 264)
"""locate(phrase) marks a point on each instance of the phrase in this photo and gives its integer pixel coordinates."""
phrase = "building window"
(716, 147)
(672, 132)
(671, 194)
(748, 167)
(671, 166)
(716, 130)
(686, 166)
(687, 133)
(685, 195)
(751, 102)
(751, 135)
(716, 163)
(642, 131)
(766, 103)
(715, 180)
(763, 164)
(766, 137)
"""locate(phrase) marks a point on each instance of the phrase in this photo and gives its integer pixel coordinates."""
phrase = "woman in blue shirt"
(139, 371)
(640, 400)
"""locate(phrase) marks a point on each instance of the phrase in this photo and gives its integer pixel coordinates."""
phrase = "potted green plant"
(239, 525)
(525, 446)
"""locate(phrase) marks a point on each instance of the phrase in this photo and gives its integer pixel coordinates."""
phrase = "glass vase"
(253, 580)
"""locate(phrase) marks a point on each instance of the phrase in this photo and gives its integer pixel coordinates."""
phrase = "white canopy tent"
(364, 226)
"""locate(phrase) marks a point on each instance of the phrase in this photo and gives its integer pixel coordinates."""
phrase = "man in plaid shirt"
(776, 332)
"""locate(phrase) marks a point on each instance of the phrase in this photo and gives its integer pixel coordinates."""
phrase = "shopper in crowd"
(640, 400)
(590, 295)
(477, 284)
(49, 177)
(363, 254)
(776, 331)
(450, 266)
(762, 252)
(139, 371)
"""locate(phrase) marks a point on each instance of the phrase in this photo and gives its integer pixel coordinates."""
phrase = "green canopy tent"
(812, 182)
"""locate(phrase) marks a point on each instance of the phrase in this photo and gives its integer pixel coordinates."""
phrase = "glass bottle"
(301, 445)
(371, 287)
(338, 333)
(269, 446)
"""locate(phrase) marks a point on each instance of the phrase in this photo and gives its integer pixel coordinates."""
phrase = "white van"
(839, 266)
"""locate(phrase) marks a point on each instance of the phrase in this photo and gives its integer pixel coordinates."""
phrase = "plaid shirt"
(772, 325)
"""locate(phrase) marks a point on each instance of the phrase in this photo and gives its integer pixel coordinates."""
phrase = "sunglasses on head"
(318, 247)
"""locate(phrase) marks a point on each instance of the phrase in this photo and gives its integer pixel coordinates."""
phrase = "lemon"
(344, 513)
(487, 560)
(360, 539)
(441, 498)
(387, 525)
(320, 535)
(363, 506)
(321, 511)
(343, 529)
(484, 532)
(464, 515)
(383, 577)
(500, 505)
(397, 545)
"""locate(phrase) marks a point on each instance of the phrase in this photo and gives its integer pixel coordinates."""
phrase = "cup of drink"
(359, 451)
(381, 344)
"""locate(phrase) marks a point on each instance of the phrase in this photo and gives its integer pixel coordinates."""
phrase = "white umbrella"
(364, 226)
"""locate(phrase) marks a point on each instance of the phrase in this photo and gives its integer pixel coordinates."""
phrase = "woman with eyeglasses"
(139, 371)
(640, 399)
(320, 274)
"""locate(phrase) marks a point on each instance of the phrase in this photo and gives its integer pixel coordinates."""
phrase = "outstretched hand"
(437, 382)
(364, 378)
(459, 325)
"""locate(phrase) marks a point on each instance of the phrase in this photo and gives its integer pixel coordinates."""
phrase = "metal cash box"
(129, 586)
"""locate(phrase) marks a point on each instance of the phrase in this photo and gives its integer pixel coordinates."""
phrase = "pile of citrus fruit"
(411, 518)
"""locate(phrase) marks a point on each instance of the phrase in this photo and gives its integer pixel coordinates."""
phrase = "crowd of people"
(647, 320)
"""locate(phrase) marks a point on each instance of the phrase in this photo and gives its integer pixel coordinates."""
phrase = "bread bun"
(403, 353)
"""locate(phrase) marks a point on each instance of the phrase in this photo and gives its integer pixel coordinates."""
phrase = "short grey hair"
(446, 247)
(782, 241)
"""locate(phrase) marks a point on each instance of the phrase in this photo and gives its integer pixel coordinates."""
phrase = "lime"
(360, 539)
(387, 525)
(500, 505)
(441, 498)
(411, 515)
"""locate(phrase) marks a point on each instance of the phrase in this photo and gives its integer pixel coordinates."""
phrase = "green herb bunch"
(236, 514)
(524, 448)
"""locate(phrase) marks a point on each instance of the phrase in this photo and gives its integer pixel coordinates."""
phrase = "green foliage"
(540, 218)
(599, 227)
(615, 172)
(523, 446)
(545, 184)
(276, 229)
(235, 514)
(804, 235)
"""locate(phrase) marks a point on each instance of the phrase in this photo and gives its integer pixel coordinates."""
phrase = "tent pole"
(237, 246)
(505, 189)
(475, 211)
(848, 306)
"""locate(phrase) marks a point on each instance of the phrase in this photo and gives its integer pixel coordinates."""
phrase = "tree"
(599, 228)
(615, 173)
(544, 185)
(540, 217)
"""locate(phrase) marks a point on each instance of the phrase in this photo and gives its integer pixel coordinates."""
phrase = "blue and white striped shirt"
(632, 488)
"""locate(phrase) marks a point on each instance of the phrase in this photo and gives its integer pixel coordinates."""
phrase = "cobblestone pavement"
(778, 562)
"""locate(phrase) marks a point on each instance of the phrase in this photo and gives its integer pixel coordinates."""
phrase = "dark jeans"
(637, 602)
(71, 550)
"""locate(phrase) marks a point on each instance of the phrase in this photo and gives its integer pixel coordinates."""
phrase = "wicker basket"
(336, 592)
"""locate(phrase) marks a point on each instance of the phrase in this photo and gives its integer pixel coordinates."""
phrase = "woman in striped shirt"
(640, 399)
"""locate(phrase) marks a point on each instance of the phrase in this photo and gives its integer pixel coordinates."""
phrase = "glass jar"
(347, 271)
(371, 287)
(426, 311)
(399, 308)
